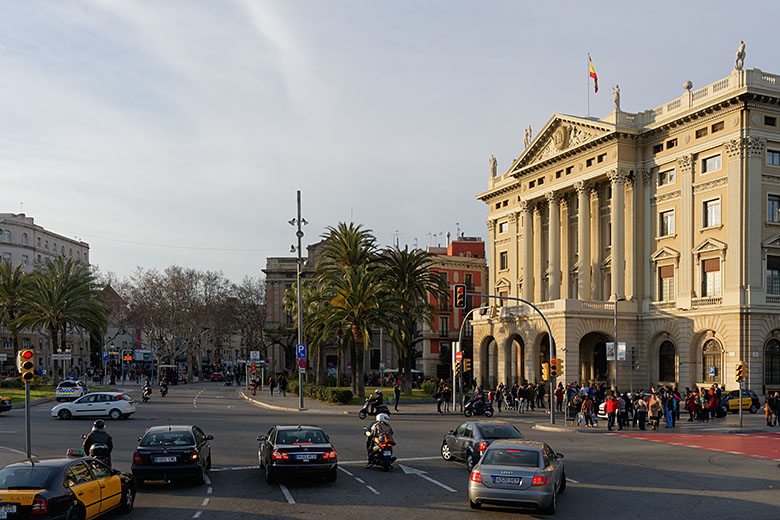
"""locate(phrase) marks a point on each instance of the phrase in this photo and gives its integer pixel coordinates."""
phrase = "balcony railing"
(773, 298)
(707, 301)
(670, 304)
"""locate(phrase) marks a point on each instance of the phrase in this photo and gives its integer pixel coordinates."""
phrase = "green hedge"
(16, 382)
(429, 387)
(321, 393)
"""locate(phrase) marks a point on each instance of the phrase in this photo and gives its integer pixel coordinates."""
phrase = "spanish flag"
(593, 75)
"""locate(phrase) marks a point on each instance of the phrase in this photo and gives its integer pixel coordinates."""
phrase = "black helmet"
(99, 424)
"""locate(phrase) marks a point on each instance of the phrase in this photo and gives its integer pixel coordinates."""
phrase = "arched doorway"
(772, 362)
(483, 376)
(667, 362)
(490, 370)
(515, 367)
(544, 355)
(712, 362)
(593, 358)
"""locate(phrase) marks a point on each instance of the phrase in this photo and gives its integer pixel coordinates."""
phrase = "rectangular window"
(711, 213)
(498, 204)
(666, 222)
(6, 257)
(469, 281)
(532, 184)
(701, 132)
(658, 148)
(503, 227)
(444, 325)
(558, 174)
(770, 121)
(773, 208)
(671, 143)
(25, 260)
(503, 261)
(710, 281)
(665, 283)
(717, 127)
(710, 164)
(773, 274)
(505, 203)
(601, 158)
(569, 170)
(540, 181)
(589, 162)
(667, 177)
(772, 158)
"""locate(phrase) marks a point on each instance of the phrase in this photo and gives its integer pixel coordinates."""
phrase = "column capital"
(594, 191)
(491, 225)
(564, 201)
(524, 205)
(581, 187)
(552, 197)
(647, 176)
(537, 208)
(513, 218)
(617, 175)
(685, 164)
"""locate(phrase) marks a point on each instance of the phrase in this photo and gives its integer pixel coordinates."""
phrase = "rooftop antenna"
(457, 228)
(21, 207)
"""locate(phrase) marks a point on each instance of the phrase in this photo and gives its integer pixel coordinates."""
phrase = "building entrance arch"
(514, 360)
(488, 363)
(593, 358)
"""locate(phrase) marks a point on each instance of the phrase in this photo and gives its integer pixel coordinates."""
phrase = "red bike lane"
(760, 445)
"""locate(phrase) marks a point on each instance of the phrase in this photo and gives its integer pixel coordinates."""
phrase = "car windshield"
(511, 457)
(37, 477)
(499, 431)
(167, 438)
(301, 437)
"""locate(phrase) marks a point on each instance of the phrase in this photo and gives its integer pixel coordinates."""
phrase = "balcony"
(773, 298)
(669, 304)
(707, 301)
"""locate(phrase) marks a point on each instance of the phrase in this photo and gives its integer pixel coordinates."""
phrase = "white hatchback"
(115, 405)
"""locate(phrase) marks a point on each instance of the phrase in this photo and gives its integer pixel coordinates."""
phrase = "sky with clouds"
(178, 132)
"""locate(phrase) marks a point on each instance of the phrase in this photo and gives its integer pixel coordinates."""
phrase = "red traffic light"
(27, 354)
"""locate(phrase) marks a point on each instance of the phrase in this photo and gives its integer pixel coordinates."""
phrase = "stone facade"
(672, 214)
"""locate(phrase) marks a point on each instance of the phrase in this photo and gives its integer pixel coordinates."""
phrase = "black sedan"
(172, 453)
(63, 487)
(297, 450)
(470, 440)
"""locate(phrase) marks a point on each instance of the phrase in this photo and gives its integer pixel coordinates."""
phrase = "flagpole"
(588, 87)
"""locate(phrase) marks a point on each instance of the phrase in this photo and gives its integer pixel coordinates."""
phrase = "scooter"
(478, 408)
(371, 409)
(99, 451)
(147, 394)
(381, 453)
(163, 389)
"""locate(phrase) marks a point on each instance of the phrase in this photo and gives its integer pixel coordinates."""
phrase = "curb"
(34, 402)
(564, 429)
(284, 408)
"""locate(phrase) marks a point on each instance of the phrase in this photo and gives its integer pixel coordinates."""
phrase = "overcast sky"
(190, 125)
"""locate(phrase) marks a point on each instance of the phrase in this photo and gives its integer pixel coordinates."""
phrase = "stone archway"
(593, 358)
(712, 362)
(667, 362)
(513, 360)
(488, 363)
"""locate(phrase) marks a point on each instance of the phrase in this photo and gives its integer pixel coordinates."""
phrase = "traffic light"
(26, 364)
(553, 368)
(560, 367)
(546, 371)
(456, 368)
(466, 365)
(460, 296)
(741, 371)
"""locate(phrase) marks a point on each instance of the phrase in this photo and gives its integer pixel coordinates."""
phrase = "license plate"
(306, 456)
(506, 480)
(3, 514)
(387, 453)
(7, 509)
(165, 459)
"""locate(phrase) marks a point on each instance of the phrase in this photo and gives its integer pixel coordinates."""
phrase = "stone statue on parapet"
(740, 61)
(493, 165)
(527, 136)
(616, 97)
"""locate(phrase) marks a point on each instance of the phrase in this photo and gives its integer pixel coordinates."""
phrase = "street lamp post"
(616, 342)
(299, 234)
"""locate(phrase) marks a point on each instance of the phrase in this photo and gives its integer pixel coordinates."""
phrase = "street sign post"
(300, 351)
(302, 364)
(459, 356)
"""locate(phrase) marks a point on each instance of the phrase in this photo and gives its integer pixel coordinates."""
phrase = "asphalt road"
(609, 476)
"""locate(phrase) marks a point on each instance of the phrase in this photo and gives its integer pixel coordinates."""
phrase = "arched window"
(7, 236)
(772, 362)
(667, 362)
(712, 362)
(24, 239)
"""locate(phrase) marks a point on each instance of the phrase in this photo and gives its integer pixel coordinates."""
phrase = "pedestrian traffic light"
(460, 296)
(466, 365)
(741, 371)
(456, 368)
(553, 368)
(26, 364)
(546, 371)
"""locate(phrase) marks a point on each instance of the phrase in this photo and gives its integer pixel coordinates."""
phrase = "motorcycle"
(147, 394)
(99, 451)
(478, 408)
(163, 389)
(381, 453)
(372, 409)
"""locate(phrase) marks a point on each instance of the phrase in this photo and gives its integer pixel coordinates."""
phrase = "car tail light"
(193, 456)
(476, 477)
(482, 446)
(539, 481)
(329, 455)
(38, 506)
(137, 458)
(279, 455)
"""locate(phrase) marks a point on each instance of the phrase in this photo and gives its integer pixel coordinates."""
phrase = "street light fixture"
(299, 234)
(621, 299)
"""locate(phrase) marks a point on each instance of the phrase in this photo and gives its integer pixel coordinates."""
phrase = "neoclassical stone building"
(675, 210)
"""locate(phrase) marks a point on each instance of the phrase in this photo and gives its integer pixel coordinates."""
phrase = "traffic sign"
(105, 356)
(301, 363)
(459, 356)
(267, 361)
(61, 357)
(253, 364)
(300, 350)
(381, 367)
(254, 355)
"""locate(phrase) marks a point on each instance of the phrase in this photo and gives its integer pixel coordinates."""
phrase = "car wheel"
(753, 408)
(446, 454)
(467, 412)
(77, 512)
(270, 476)
(115, 414)
(488, 413)
(474, 505)
(362, 415)
(562, 487)
(64, 414)
(333, 475)
(128, 499)
(470, 462)
(201, 478)
(550, 510)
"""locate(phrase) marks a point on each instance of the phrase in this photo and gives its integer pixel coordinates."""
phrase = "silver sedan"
(518, 473)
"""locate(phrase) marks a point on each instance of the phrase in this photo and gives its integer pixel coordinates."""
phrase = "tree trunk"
(353, 362)
(361, 385)
(406, 383)
(320, 365)
(54, 364)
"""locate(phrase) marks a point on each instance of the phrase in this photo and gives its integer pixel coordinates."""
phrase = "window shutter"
(712, 265)
(666, 271)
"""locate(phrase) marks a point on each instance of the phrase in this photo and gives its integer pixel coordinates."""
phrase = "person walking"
(640, 409)
(271, 385)
(611, 407)
(439, 396)
(769, 407)
(499, 396)
(559, 398)
(575, 405)
(587, 411)
(283, 386)
(656, 408)
(396, 394)
(704, 401)
(622, 417)
(669, 404)
(776, 421)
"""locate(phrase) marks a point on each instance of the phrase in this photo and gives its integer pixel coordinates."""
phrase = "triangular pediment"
(502, 283)
(771, 242)
(709, 245)
(665, 253)
(560, 135)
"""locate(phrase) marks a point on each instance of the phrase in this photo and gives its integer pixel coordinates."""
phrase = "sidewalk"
(751, 423)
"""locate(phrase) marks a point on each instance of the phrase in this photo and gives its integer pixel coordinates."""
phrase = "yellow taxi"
(69, 488)
(730, 401)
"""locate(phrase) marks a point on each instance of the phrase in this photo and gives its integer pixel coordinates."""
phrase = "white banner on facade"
(611, 351)
(621, 351)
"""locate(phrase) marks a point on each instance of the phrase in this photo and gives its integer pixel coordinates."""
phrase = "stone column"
(565, 252)
(583, 240)
(630, 233)
(595, 242)
(683, 221)
(617, 216)
(554, 244)
(527, 251)
(538, 260)
(755, 215)
(514, 256)
(648, 241)
(730, 215)
(492, 266)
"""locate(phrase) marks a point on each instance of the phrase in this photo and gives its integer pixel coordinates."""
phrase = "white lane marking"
(422, 474)
(287, 494)
(195, 400)
(205, 502)
(374, 491)
(197, 514)
(13, 450)
(360, 480)
(572, 480)
(345, 471)
(209, 490)
(233, 468)
(206, 479)
(397, 460)
(7, 431)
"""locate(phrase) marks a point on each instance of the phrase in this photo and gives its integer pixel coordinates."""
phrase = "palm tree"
(312, 304)
(61, 296)
(409, 276)
(12, 286)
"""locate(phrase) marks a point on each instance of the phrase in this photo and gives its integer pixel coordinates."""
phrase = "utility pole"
(299, 234)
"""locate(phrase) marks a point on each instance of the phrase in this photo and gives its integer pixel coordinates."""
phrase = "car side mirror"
(559, 455)
(452, 432)
(139, 439)
(209, 437)
(261, 437)
(116, 472)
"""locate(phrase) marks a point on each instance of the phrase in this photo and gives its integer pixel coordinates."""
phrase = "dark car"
(730, 402)
(63, 487)
(297, 450)
(172, 453)
(5, 404)
(217, 376)
(470, 440)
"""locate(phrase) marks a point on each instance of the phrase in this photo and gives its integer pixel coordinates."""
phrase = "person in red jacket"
(611, 407)
(559, 397)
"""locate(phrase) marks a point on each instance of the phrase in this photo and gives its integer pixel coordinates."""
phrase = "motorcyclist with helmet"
(377, 401)
(98, 435)
(380, 432)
